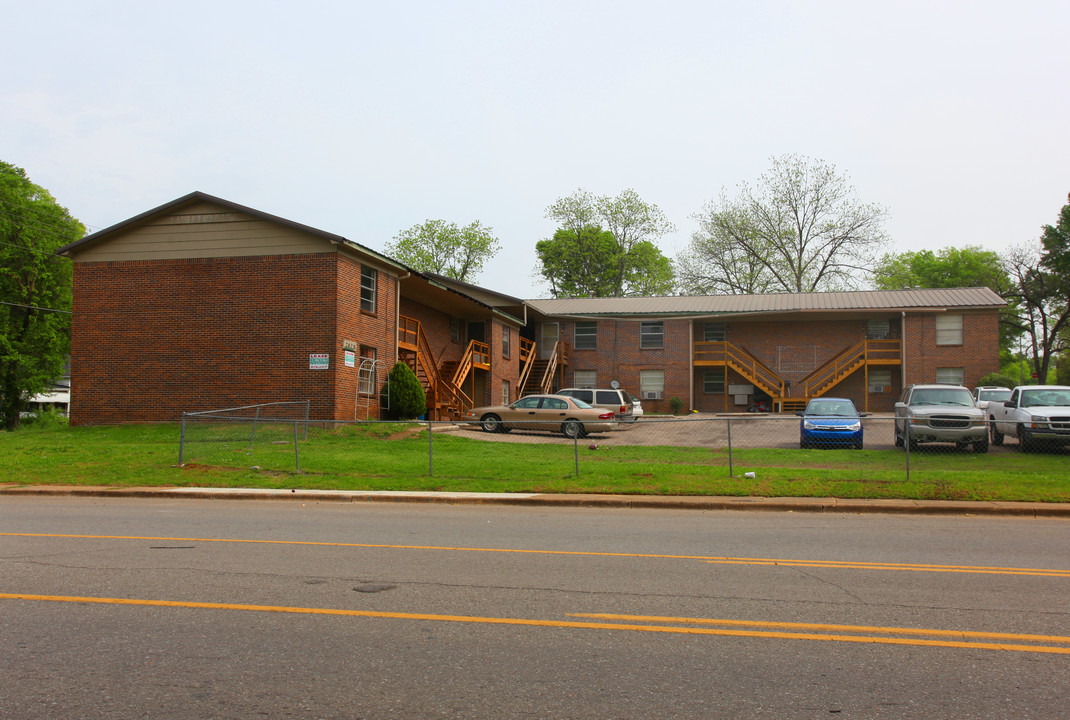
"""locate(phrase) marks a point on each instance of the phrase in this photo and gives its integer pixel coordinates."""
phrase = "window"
(880, 381)
(878, 329)
(949, 375)
(713, 381)
(507, 341)
(369, 281)
(713, 332)
(651, 384)
(948, 329)
(585, 378)
(586, 335)
(505, 392)
(652, 334)
(456, 330)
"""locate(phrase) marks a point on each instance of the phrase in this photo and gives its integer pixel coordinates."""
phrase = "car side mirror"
(800, 413)
(1009, 403)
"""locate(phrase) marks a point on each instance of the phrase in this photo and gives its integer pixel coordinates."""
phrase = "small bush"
(406, 398)
(675, 404)
(45, 418)
(997, 380)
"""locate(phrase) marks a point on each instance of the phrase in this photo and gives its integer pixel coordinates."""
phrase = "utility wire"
(35, 307)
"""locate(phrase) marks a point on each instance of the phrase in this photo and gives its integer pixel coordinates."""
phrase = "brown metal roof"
(862, 300)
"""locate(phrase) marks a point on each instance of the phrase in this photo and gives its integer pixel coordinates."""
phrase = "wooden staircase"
(444, 398)
(537, 374)
(816, 384)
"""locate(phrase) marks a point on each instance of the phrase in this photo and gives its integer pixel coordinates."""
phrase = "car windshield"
(1046, 398)
(959, 397)
(997, 395)
(581, 404)
(832, 408)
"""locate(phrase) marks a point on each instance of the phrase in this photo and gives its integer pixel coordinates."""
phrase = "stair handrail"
(840, 366)
(546, 381)
(477, 353)
(410, 332)
(527, 361)
(743, 362)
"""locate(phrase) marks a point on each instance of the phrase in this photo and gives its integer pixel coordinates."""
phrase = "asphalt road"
(124, 608)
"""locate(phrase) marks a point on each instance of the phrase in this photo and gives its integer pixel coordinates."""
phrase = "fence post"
(297, 454)
(728, 421)
(182, 439)
(307, 404)
(430, 450)
(906, 443)
(576, 452)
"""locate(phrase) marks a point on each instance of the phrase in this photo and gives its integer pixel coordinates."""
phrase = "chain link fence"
(685, 452)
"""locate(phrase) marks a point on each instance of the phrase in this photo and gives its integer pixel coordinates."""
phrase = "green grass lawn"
(396, 457)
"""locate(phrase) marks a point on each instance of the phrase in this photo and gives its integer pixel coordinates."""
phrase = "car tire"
(981, 446)
(995, 435)
(803, 445)
(898, 438)
(857, 445)
(572, 429)
(1025, 440)
(491, 423)
(912, 443)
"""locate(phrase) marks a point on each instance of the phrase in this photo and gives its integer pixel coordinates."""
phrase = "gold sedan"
(553, 413)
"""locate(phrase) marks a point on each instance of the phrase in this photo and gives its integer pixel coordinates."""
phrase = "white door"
(549, 339)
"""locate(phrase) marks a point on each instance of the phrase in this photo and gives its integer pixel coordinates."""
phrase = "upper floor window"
(507, 341)
(586, 335)
(369, 287)
(652, 334)
(456, 330)
(878, 329)
(948, 329)
(585, 378)
(713, 332)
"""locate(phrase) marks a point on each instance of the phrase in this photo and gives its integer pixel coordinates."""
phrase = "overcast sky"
(363, 119)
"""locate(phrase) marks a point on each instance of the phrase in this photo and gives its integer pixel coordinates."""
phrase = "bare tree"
(799, 229)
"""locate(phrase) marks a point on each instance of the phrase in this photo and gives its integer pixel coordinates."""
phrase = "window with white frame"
(880, 381)
(950, 375)
(507, 341)
(948, 329)
(585, 378)
(586, 335)
(651, 384)
(366, 371)
(652, 334)
(713, 332)
(713, 381)
(369, 289)
(456, 330)
(505, 392)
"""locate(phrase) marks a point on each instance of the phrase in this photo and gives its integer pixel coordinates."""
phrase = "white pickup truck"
(1038, 415)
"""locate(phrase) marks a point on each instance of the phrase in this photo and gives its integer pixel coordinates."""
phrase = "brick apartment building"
(203, 304)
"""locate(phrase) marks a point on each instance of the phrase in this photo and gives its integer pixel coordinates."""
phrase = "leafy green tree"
(35, 290)
(445, 248)
(950, 267)
(1040, 276)
(406, 398)
(605, 247)
(799, 229)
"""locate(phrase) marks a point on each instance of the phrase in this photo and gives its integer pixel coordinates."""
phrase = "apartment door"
(550, 333)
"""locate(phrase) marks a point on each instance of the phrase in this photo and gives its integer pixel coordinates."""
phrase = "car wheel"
(981, 446)
(898, 438)
(491, 423)
(803, 445)
(1025, 440)
(995, 435)
(857, 445)
(912, 443)
(572, 429)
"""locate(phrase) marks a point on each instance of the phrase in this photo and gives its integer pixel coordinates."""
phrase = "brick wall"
(977, 355)
(367, 330)
(151, 339)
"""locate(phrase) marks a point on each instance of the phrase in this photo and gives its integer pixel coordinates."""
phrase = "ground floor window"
(366, 371)
(585, 378)
(651, 384)
(713, 381)
(880, 381)
(950, 375)
(505, 392)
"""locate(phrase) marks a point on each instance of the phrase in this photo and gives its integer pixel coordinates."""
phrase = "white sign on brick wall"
(319, 361)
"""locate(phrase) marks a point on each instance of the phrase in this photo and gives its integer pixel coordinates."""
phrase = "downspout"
(691, 363)
(903, 351)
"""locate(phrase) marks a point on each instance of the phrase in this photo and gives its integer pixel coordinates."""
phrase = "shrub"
(405, 395)
(675, 404)
(997, 380)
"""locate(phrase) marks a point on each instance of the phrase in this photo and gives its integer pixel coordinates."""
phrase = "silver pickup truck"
(1038, 415)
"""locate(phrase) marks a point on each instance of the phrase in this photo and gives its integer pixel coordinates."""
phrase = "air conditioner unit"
(652, 395)
(878, 388)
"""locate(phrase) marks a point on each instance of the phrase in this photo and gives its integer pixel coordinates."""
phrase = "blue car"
(829, 422)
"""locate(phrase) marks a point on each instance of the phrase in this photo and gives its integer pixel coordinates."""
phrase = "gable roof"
(197, 196)
(714, 305)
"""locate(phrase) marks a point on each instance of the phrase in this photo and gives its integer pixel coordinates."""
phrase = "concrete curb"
(675, 502)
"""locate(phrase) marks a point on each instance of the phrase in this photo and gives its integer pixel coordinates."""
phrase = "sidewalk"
(676, 502)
